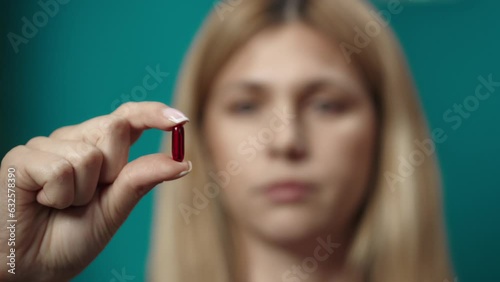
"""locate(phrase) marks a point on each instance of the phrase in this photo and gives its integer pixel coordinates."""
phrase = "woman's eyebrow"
(333, 80)
(315, 86)
(327, 80)
(244, 87)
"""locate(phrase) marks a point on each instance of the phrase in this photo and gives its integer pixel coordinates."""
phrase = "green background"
(91, 52)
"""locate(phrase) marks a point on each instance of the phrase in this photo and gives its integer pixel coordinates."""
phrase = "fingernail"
(175, 115)
(186, 171)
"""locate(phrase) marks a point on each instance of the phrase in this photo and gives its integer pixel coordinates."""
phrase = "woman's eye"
(330, 106)
(244, 107)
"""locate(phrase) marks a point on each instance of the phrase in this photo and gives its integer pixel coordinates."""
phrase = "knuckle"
(61, 170)
(59, 132)
(84, 155)
(113, 125)
(76, 159)
(125, 108)
(92, 136)
(94, 156)
(118, 125)
(106, 127)
(13, 156)
(35, 141)
(155, 105)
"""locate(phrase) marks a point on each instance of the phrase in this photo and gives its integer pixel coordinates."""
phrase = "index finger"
(136, 116)
(145, 115)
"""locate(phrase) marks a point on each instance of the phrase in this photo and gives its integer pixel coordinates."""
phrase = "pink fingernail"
(175, 115)
(190, 167)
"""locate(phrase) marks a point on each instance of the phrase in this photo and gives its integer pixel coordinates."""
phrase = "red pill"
(178, 143)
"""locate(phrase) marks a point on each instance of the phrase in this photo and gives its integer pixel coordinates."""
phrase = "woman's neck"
(317, 258)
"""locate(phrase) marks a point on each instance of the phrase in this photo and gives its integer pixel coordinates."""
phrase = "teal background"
(92, 51)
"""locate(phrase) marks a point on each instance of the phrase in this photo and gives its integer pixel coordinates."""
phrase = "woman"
(296, 136)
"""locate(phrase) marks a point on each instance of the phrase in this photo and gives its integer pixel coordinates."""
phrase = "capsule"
(178, 143)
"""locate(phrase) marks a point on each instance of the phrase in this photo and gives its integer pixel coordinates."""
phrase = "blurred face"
(293, 126)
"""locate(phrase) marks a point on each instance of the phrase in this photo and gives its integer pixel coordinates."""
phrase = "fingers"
(65, 168)
(136, 179)
(64, 173)
(114, 134)
(111, 135)
(137, 116)
(85, 159)
(49, 176)
(147, 115)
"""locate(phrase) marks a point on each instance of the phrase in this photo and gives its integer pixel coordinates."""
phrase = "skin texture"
(75, 188)
(287, 106)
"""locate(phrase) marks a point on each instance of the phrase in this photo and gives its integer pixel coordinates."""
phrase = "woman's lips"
(288, 191)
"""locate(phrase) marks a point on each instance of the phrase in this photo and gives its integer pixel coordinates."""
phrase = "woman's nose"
(289, 142)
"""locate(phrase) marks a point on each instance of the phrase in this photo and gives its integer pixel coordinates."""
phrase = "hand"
(74, 189)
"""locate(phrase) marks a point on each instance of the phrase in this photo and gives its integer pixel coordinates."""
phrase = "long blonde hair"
(400, 234)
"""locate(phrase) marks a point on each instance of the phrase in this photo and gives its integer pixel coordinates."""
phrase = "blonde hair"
(400, 234)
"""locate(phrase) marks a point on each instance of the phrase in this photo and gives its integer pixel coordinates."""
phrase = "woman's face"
(291, 129)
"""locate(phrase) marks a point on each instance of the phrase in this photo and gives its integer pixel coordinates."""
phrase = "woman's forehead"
(287, 56)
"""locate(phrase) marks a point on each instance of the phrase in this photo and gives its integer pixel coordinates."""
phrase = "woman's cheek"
(231, 151)
(358, 151)
(343, 149)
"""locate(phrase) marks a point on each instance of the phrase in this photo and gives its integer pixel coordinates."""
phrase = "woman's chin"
(290, 226)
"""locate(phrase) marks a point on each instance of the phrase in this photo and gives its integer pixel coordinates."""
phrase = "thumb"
(136, 179)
